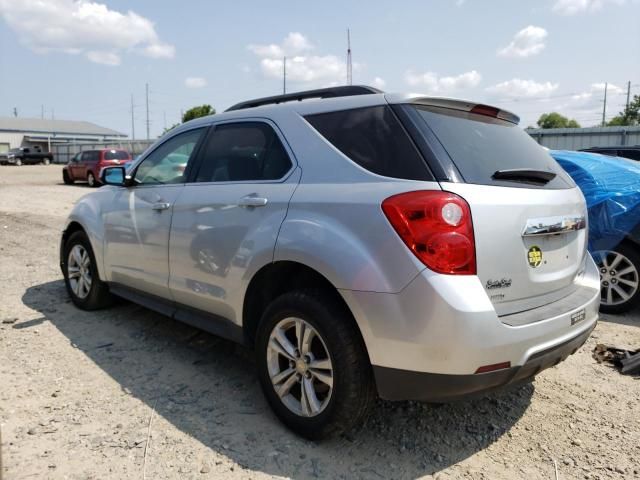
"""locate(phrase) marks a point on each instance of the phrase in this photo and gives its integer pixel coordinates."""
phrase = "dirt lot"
(84, 395)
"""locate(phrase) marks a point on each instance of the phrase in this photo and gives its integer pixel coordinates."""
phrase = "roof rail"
(344, 91)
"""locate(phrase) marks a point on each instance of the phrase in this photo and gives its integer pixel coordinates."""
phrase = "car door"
(226, 220)
(138, 220)
(73, 165)
(80, 169)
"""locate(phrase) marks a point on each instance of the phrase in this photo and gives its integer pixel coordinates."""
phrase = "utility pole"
(147, 95)
(349, 66)
(628, 95)
(284, 75)
(15, 111)
(133, 123)
(604, 107)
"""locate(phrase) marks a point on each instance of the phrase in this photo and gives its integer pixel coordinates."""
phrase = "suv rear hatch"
(529, 218)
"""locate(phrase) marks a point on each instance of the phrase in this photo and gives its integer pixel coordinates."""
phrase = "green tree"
(197, 112)
(194, 112)
(555, 120)
(629, 116)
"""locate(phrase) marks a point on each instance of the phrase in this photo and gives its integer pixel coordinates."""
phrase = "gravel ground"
(128, 393)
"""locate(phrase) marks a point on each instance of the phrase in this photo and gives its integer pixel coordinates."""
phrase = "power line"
(147, 96)
(604, 106)
(133, 123)
(349, 65)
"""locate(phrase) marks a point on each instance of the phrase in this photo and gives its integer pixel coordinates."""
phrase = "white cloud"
(195, 82)
(595, 93)
(573, 7)
(435, 84)
(302, 66)
(105, 58)
(294, 44)
(523, 88)
(83, 27)
(527, 42)
(378, 83)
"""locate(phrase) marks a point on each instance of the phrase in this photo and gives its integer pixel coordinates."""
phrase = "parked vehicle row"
(363, 243)
(26, 156)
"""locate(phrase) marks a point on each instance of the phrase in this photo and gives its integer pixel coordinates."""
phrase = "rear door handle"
(251, 201)
(158, 207)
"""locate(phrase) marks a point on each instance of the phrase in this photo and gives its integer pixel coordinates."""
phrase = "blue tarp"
(611, 186)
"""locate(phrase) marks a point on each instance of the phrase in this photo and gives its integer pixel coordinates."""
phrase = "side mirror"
(113, 176)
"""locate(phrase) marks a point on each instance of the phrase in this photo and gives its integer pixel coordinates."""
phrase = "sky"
(84, 60)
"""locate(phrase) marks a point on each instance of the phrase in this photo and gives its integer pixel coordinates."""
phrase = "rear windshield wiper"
(524, 175)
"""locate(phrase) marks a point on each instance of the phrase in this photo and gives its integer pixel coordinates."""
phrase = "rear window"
(479, 146)
(374, 139)
(116, 155)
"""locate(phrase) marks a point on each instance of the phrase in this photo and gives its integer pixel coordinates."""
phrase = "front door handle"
(158, 207)
(251, 201)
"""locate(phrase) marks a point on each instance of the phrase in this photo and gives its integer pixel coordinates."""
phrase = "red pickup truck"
(86, 166)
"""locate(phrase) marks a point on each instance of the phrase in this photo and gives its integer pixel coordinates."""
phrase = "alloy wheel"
(79, 271)
(619, 279)
(300, 367)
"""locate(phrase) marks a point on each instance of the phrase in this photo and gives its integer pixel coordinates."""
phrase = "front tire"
(312, 364)
(619, 278)
(18, 162)
(81, 278)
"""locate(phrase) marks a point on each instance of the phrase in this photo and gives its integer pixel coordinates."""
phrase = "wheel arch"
(72, 227)
(277, 278)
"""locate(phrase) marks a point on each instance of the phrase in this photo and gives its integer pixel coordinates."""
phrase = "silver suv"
(360, 242)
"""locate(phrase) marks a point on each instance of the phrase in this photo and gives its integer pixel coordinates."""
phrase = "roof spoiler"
(465, 106)
(344, 91)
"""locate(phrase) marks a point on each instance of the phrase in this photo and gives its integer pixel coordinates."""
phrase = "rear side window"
(374, 139)
(480, 146)
(90, 156)
(116, 155)
(243, 151)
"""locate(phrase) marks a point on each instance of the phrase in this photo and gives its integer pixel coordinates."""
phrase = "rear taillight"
(437, 228)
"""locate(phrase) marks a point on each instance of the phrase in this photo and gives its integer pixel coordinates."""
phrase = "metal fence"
(63, 152)
(579, 138)
(554, 138)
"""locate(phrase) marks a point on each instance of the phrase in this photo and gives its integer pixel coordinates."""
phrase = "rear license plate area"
(577, 317)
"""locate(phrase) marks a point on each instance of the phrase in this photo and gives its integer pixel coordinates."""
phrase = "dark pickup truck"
(26, 156)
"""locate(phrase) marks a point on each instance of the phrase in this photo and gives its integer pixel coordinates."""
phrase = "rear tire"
(91, 180)
(340, 387)
(620, 274)
(81, 278)
(46, 161)
(66, 178)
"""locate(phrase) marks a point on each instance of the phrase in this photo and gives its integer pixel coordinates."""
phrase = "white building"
(26, 132)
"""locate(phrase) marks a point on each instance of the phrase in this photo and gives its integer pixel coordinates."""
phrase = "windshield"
(480, 146)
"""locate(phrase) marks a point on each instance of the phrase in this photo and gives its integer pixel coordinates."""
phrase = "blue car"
(611, 186)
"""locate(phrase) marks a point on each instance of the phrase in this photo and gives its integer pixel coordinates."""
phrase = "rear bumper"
(440, 329)
(396, 384)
